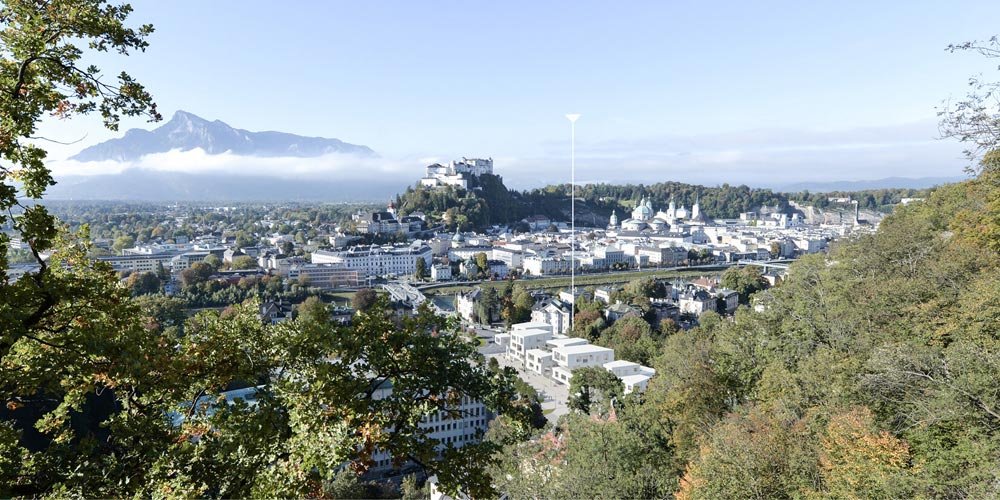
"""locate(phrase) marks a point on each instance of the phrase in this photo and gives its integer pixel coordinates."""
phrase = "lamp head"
(572, 117)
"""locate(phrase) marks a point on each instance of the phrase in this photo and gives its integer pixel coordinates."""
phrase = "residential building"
(571, 357)
(467, 425)
(553, 312)
(275, 312)
(696, 303)
(526, 336)
(440, 272)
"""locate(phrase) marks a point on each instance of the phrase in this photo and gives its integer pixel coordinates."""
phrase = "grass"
(548, 411)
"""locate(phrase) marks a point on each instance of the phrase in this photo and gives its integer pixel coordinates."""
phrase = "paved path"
(554, 395)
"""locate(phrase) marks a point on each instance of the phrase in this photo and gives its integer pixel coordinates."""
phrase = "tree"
(632, 339)
(123, 242)
(162, 273)
(363, 299)
(751, 456)
(483, 264)
(244, 240)
(313, 310)
(587, 324)
(973, 120)
(410, 491)
(144, 283)
(745, 281)
(859, 460)
(421, 271)
(244, 262)
(213, 260)
(488, 304)
(592, 389)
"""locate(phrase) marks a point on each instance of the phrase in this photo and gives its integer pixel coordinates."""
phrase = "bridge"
(766, 264)
(404, 292)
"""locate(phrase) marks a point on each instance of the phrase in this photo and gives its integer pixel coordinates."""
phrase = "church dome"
(643, 211)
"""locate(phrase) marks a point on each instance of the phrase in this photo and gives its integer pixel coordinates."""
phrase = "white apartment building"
(141, 263)
(377, 260)
(663, 256)
(513, 258)
(571, 357)
(468, 428)
(440, 272)
(526, 336)
(553, 313)
(634, 376)
(186, 260)
(697, 302)
(544, 266)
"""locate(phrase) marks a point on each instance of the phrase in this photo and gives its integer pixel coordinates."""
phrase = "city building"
(376, 260)
(141, 263)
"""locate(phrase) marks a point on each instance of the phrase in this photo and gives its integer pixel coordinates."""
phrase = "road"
(539, 281)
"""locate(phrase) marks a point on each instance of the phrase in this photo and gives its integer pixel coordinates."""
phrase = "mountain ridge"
(186, 131)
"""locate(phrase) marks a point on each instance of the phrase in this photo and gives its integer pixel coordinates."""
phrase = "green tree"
(488, 304)
(313, 310)
(592, 389)
(213, 260)
(144, 283)
(244, 262)
(483, 264)
(421, 271)
(123, 242)
(363, 299)
(745, 281)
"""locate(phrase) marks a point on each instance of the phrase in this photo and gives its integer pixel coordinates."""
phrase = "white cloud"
(755, 157)
(344, 166)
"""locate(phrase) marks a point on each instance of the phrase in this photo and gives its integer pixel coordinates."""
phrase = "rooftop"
(582, 349)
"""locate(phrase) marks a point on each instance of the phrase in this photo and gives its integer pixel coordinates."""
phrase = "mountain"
(886, 183)
(186, 131)
(165, 186)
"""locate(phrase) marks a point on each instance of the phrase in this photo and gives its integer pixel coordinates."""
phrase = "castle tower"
(695, 210)
(672, 208)
(613, 221)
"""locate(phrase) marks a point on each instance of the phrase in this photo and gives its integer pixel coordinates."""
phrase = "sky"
(763, 93)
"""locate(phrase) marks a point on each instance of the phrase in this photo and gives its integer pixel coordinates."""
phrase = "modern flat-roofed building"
(568, 358)
(526, 336)
(324, 275)
(138, 263)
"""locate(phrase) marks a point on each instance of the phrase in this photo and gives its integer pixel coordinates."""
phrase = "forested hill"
(488, 201)
(871, 372)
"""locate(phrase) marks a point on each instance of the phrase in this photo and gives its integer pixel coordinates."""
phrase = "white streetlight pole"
(572, 117)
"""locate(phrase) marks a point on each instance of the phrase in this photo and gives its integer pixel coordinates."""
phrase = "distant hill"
(886, 183)
(152, 185)
(186, 131)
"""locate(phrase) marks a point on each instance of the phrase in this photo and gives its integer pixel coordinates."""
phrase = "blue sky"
(756, 92)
